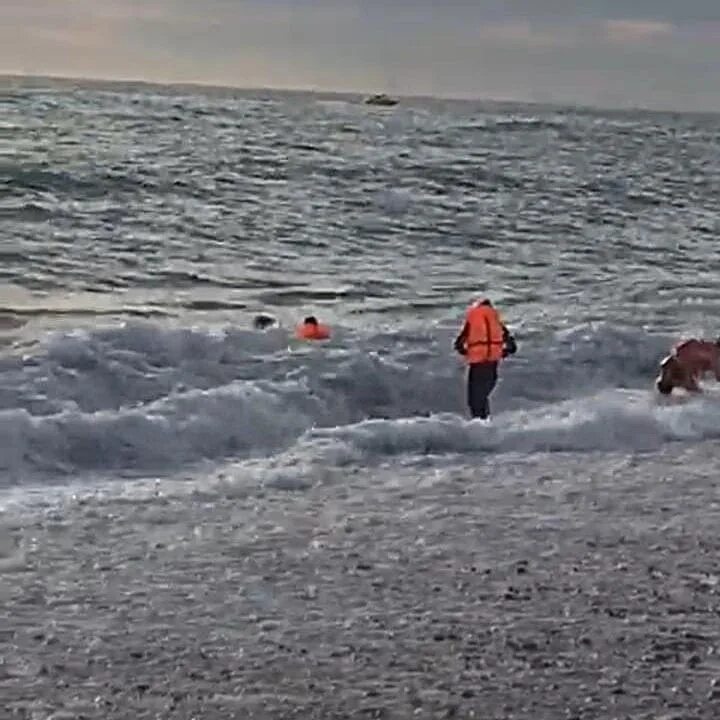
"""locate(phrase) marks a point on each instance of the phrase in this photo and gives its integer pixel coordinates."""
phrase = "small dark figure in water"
(262, 322)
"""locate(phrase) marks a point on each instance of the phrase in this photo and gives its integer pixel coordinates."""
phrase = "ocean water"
(142, 228)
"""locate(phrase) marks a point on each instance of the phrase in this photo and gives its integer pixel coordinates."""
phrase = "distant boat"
(381, 99)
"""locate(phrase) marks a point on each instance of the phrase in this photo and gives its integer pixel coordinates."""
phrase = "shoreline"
(490, 593)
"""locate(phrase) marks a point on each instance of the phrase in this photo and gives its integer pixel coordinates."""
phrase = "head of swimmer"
(262, 322)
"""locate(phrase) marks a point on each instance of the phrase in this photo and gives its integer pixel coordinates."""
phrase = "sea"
(143, 227)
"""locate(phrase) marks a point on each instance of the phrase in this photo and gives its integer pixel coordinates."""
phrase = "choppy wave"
(183, 205)
(147, 398)
(612, 421)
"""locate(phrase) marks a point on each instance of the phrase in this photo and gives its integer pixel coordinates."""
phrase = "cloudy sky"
(651, 53)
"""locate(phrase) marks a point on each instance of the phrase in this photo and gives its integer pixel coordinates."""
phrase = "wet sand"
(588, 592)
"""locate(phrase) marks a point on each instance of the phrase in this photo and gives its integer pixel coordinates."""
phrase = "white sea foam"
(144, 398)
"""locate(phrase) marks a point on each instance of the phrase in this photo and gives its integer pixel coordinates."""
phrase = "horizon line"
(203, 85)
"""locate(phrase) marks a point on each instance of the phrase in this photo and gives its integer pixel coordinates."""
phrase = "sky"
(641, 53)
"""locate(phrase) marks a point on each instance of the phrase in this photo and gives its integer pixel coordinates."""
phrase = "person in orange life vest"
(311, 329)
(484, 341)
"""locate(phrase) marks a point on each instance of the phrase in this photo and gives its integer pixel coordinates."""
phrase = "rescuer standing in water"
(483, 341)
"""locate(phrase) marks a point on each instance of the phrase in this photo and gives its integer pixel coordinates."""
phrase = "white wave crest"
(144, 397)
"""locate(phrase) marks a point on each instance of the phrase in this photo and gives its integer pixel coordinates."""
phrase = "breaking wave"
(146, 398)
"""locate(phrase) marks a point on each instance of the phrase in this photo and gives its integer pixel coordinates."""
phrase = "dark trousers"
(481, 381)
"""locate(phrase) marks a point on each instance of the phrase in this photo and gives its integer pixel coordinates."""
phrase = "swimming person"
(311, 329)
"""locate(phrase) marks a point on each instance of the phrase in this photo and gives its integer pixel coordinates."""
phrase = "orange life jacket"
(308, 331)
(485, 337)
